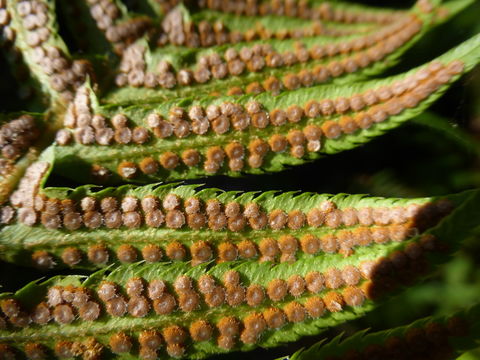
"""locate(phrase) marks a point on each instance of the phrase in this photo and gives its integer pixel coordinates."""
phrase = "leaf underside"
(451, 230)
(78, 161)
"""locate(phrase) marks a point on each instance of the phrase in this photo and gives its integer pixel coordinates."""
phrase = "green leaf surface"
(19, 240)
(76, 160)
(23, 42)
(450, 231)
(24, 144)
(184, 58)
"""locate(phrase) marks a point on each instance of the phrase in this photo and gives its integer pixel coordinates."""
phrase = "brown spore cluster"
(341, 116)
(350, 227)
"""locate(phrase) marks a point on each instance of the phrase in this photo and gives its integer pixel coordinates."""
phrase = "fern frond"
(217, 308)
(36, 41)
(190, 137)
(283, 64)
(187, 52)
(22, 136)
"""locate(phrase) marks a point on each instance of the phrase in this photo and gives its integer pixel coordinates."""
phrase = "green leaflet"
(184, 60)
(226, 9)
(275, 23)
(156, 14)
(76, 160)
(37, 39)
(450, 231)
(337, 24)
(189, 59)
(445, 337)
(19, 241)
(21, 137)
